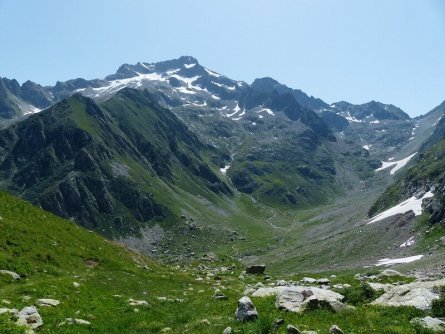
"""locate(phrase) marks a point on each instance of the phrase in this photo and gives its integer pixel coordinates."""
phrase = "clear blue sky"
(355, 50)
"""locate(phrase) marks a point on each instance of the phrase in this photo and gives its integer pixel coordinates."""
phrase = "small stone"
(47, 302)
(335, 330)
(292, 330)
(206, 322)
(433, 324)
(227, 330)
(246, 311)
(220, 296)
(8, 310)
(29, 317)
(278, 323)
(76, 285)
(133, 302)
(280, 282)
(309, 280)
(323, 281)
(13, 275)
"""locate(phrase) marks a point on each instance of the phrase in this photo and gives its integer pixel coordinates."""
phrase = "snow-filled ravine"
(412, 203)
(224, 169)
(384, 262)
(397, 164)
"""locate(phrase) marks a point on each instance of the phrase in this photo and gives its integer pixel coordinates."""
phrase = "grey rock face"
(417, 294)
(434, 324)
(299, 298)
(246, 311)
(29, 317)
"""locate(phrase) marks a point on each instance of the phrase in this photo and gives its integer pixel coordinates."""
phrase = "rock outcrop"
(29, 317)
(246, 311)
(417, 294)
(433, 324)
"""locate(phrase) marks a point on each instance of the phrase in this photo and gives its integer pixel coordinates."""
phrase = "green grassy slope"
(110, 168)
(51, 254)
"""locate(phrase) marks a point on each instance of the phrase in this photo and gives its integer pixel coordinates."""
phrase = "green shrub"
(438, 305)
(360, 295)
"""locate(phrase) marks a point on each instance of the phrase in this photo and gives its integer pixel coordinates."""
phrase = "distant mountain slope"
(427, 174)
(269, 85)
(108, 167)
(16, 100)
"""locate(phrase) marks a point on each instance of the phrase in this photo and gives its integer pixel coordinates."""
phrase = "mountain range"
(153, 194)
(155, 142)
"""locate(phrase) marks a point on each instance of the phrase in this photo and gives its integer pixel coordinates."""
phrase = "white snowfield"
(409, 259)
(32, 110)
(224, 169)
(397, 164)
(352, 119)
(408, 243)
(412, 203)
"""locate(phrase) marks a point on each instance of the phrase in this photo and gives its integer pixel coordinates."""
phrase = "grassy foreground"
(52, 255)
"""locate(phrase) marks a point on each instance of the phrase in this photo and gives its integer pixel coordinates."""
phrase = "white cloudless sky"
(391, 51)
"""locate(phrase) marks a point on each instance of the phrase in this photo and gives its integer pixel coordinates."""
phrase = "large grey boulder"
(29, 317)
(299, 298)
(417, 294)
(256, 269)
(434, 324)
(246, 311)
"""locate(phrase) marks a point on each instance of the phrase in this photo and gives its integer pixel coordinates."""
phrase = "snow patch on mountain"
(213, 74)
(224, 169)
(411, 204)
(352, 119)
(384, 262)
(267, 110)
(367, 147)
(408, 243)
(397, 164)
(224, 86)
(32, 110)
